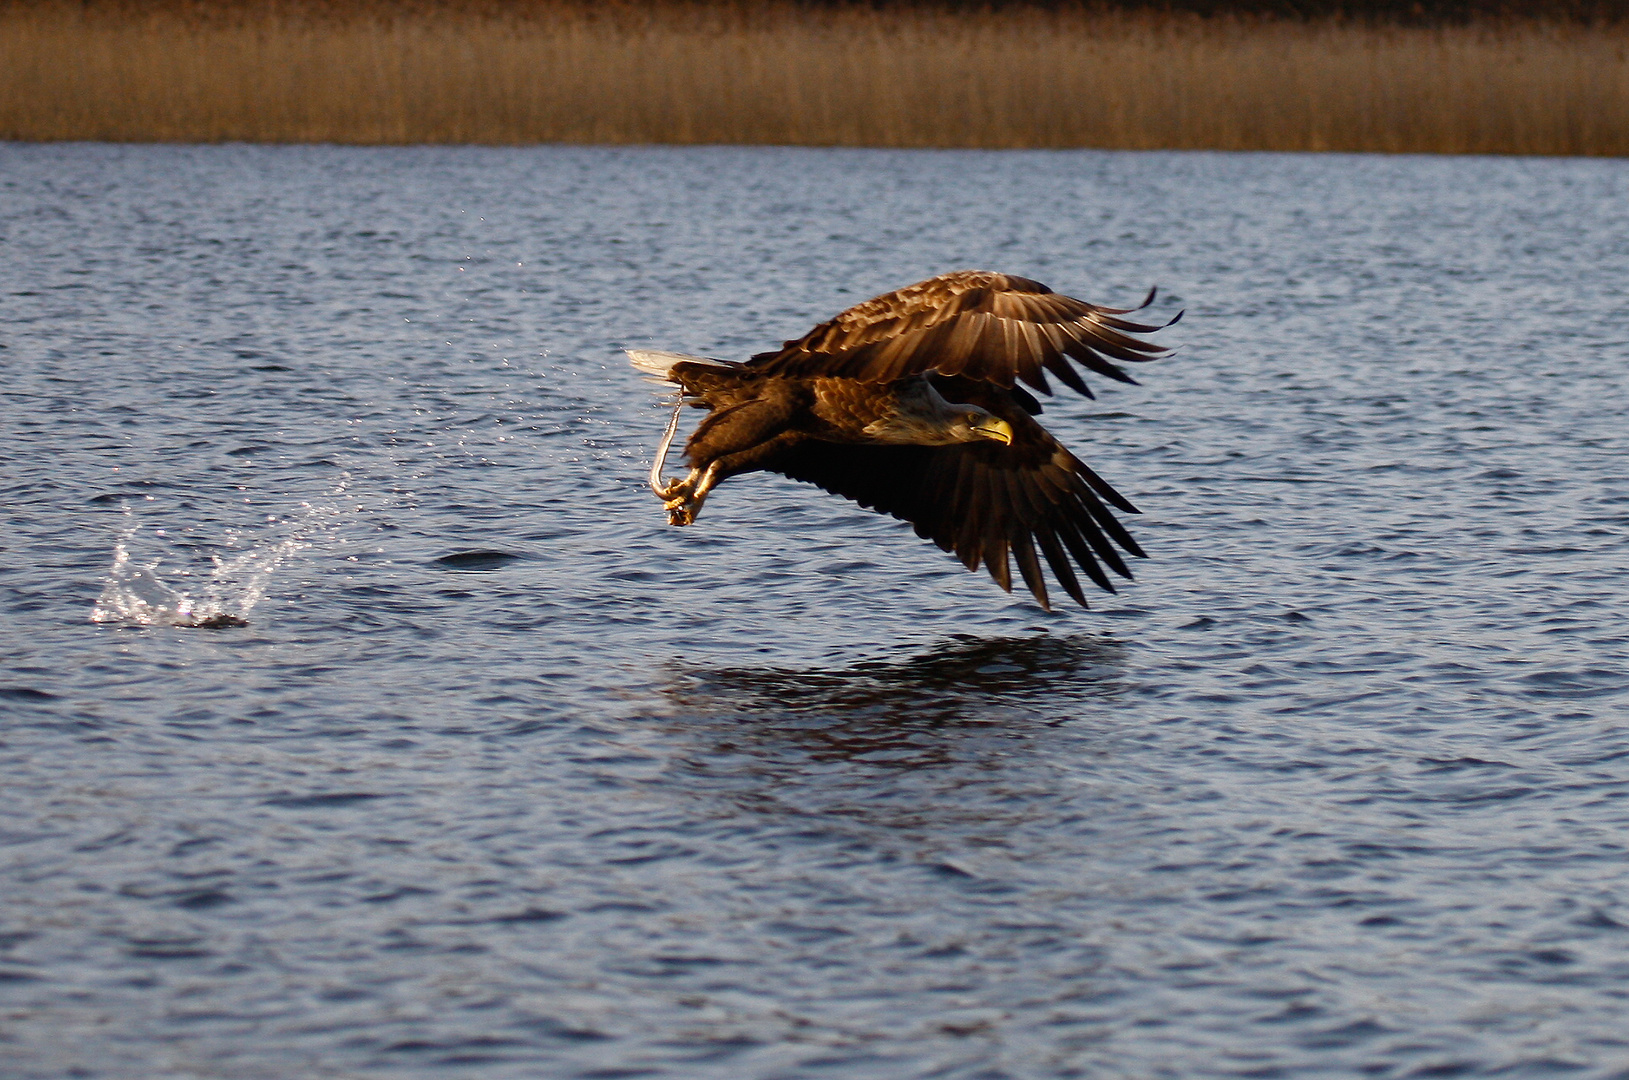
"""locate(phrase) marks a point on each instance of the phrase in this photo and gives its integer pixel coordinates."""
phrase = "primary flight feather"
(911, 404)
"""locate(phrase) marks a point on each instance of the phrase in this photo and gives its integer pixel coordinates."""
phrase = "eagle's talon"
(681, 511)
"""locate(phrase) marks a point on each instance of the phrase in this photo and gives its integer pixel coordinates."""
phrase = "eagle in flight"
(910, 404)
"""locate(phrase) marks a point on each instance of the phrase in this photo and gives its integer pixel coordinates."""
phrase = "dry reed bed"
(851, 77)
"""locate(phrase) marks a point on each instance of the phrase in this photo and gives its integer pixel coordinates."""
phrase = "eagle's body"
(910, 405)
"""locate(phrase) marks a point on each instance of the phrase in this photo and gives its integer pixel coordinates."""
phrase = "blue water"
(505, 778)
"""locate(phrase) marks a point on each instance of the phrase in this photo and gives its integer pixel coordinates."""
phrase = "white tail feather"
(660, 364)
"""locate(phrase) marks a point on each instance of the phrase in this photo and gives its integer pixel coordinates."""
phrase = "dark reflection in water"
(963, 680)
(955, 746)
(894, 744)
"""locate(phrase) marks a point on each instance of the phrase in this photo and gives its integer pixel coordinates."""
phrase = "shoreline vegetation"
(1206, 74)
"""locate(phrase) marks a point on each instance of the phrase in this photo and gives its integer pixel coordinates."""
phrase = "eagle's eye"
(973, 419)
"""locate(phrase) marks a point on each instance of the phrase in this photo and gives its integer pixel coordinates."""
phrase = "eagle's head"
(922, 417)
(973, 423)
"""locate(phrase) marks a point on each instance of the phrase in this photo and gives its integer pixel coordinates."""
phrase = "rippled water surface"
(507, 779)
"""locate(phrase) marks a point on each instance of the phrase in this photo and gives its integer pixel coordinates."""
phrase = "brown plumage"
(910, 404)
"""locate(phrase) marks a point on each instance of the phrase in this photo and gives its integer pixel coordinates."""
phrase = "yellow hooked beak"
(995, 428)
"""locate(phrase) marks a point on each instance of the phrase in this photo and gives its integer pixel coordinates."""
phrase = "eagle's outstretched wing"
(984, 501)
(994, 328)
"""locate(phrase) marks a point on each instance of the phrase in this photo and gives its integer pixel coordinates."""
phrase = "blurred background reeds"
(1401, 78)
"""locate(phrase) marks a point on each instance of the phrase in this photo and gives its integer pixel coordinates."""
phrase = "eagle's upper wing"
(984, 501)
(995, 328)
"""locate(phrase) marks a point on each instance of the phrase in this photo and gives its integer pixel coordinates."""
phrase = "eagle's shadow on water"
(906, 713)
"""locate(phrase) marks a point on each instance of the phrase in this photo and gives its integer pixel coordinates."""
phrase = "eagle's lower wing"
(995, 328)
(984, 502)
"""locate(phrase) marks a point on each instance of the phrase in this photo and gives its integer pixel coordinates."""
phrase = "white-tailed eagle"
(910, 404)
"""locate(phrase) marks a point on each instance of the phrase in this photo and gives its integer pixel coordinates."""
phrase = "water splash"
(136, 594)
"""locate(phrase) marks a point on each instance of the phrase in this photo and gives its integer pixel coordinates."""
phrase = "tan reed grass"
(768, 73)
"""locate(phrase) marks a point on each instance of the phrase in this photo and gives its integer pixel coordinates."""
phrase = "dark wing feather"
(984, 502)
(984, 326)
